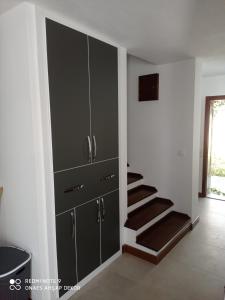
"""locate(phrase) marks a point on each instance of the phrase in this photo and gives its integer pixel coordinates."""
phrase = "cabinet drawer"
(77, 186)
(106, 177)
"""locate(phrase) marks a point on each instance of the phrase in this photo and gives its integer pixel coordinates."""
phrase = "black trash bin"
(15, 270)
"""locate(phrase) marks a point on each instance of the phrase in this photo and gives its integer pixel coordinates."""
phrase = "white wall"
(160, 133)
(21, 211)
(213, 85)
(210, 86)
(27, 212)
(196, 138)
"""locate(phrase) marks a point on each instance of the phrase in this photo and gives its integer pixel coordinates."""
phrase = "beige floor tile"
(109, 284)
(179, 279)
(193, 270)
(132, 267)
(207, 257)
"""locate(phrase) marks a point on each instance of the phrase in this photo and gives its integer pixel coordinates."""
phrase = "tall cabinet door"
(104, 98)
(110, 225)
(66, 252)
(67, 51)
(88, 238)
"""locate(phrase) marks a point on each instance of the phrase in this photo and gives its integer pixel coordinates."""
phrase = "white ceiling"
(159, 31)
(6, 4)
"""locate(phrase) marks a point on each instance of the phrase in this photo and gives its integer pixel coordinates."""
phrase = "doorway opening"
(213, 179)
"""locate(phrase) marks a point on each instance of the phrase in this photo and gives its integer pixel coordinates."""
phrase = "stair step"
(159, 234)
(147, 212)
(128, 165)
(133, 177)
(140, 192)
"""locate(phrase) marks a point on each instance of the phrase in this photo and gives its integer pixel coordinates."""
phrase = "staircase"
(152, 228)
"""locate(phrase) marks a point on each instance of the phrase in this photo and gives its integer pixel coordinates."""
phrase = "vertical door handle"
(89, 148)
(103, 209)
(73, 223)
(95, 147)
(99, 212)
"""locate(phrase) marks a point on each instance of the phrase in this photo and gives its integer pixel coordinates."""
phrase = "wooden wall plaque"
(149, 87)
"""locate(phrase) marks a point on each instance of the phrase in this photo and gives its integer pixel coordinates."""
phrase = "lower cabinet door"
(88, 238)
(110, 225)
(66, 252)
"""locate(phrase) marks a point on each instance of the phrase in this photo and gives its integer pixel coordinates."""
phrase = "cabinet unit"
(97, 232)
(79, 185)
(66, 252)
(110, 232)
(104, 99)
(83, 87)
(69, 95)
(66, 121)
(88, 238)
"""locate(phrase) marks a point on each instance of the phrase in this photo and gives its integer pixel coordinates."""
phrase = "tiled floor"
(194, 269)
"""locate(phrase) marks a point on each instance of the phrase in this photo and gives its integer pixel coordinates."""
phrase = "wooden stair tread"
(139, 193)
(147, 212)
(133, 177)
(159, 234)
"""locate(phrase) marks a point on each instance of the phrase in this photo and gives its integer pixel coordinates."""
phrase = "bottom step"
(158, 235)
(152, 256)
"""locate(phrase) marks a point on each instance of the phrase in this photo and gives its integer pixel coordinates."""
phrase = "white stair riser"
(142, 202)
(137, 246)
(132, 242)
(152, 222)
(149, 224)
(135, 184)
(174, 238)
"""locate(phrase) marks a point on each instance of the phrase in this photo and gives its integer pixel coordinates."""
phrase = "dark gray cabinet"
(97, 232)
(66, 252)
(88, 238)
(69, 95)
(83, 88)
(80, 185)
(110, 231)
(104, 99)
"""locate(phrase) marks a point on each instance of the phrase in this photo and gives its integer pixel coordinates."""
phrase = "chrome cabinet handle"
(109, 177)
(73, 224)
(103, 209)
(74, 188)
(89, 148)
(95, 147)
(99, 212)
